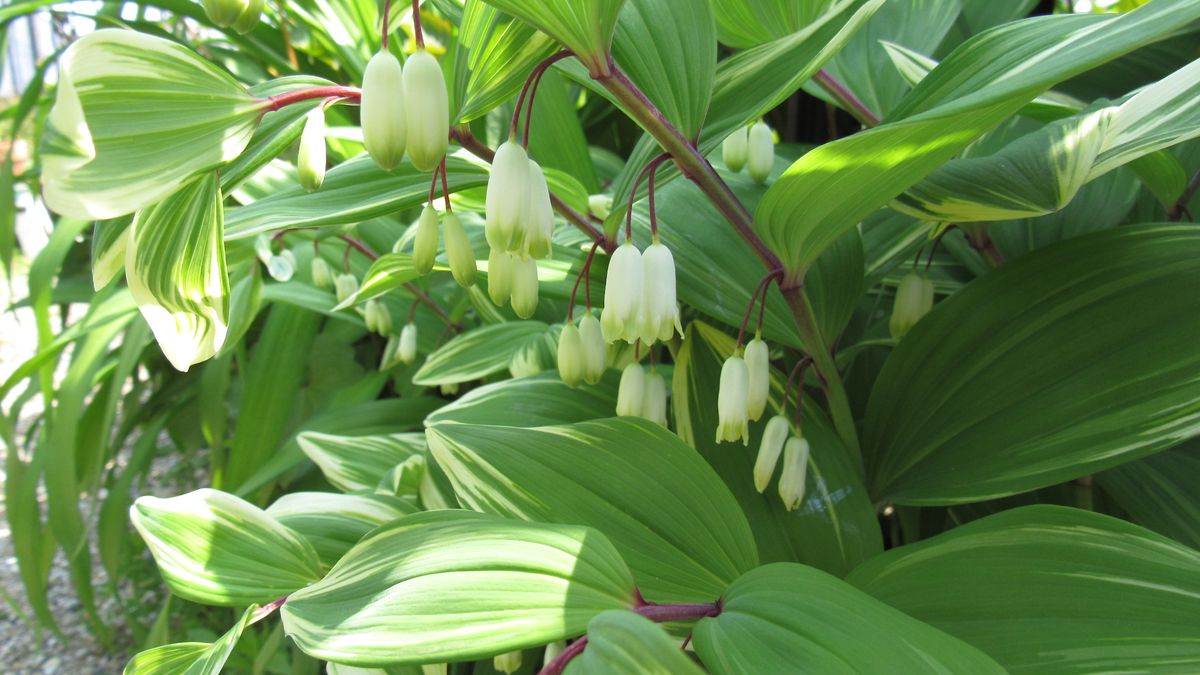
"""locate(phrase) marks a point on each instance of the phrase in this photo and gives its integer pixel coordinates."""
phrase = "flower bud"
(552, 651)
(595, 351)
(249, 17)
(383, 318)
(370, 312)
(623, 295)
(760, 155)
(499, 276)
(539, 219)
(322, 276)
(344, 286)
(407, 351)
(459, 251)
(425, 246)
(795, 467)
(382, 110)
(660, 312)
(570, 355)
(225, 13)
(449, 389)
(758, 366)
(524, 286)
(389, 358)
(507, 663)
(281, 267)
(731, 402)
(773, 438)
(427, 109)
(735, 148)
(914, 299)
(600, 205)
(654, 400)
(632, 391)
(310, 161)
(507, 193)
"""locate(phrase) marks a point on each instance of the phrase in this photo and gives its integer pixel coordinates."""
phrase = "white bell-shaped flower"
(600, 205)
(248, 19)
(407, 350)
(539, 220)
(758, 366)
(735, 149)
(732, 419)
(370, 312)
(795, 469)
(623, 295)
(524, 286)
(322, 276)
(382, 110)
(282, 267)
(769, 449)
(499, 276)
(427, 111)
(571, 360)
(660, 311)
(632, 391)
(760, 157)
(383, 319)
(595, 350)
(914, 299)
(310, 160)
(654, 400)
(459, 251)
(507, 197)
(426, 243)
(345, 286)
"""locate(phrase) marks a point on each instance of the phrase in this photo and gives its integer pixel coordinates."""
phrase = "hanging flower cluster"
(405, 109)
(751, 148)
(519, 226)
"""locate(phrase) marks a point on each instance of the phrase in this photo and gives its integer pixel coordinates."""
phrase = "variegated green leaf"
(217, 549)
(109, 239)
(135, 118)
(353, 463)
(388, 272)
(175, 267)
(624, 642)
(192, 658)
(457, 586)
(583, 26)
(495, 54)
(1041, 172)
(478, 353)
(334, 522)
(748, 23)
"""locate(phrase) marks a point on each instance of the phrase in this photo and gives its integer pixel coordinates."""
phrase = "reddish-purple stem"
(535, 74)
(445, 186)
(418, 32)
(849, 102)
(584, 272)
(288, 98)
(651, 166)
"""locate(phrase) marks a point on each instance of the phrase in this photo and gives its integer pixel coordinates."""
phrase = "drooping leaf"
(135, 118)
(217, 549)
(685, 544)
(785, 614)
(624, 642)
(175, 267)
(583, 26)
(1050, 589)
(358, 462)
(456, 586)
(332, 522)
(192, 658)
(534, 401)
(477, 353)
(1043, 382)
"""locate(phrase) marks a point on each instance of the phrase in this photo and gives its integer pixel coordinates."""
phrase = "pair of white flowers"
(582, 353)
(752, 148)
(519, 225)
(642, 395)
(459, 252)
(795, 451)
(405, 109)
(745, 388)
(639, 295)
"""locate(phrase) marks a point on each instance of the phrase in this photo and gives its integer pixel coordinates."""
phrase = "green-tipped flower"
(459, 251)
(427, 109)
(507, 663)
(654, 400)
(632, 391)
(388, 360)
(524, 286)
(914, 299)
(507, 195)
(344, 286)
(769, 449)
(595, 351)
(322, 276)
(407, 351)
(383, 318)
(225, 13)
(600, 205)
(570, 355)
(660, 312)
(758, 366)
(370, 312)
(539, 217)
(735, 149)
(499, 276)
(623, 295)
(448, 389)
(310, 162)
(426, 244)
(795, 467)
(760, 156)
(249, 17)
(382, 110)
(282, 267)
(732, 419)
